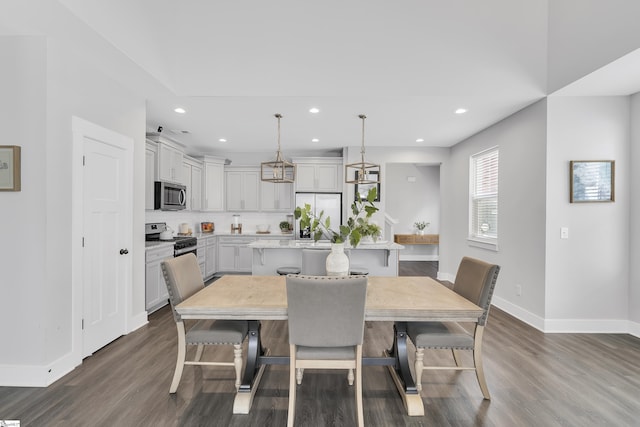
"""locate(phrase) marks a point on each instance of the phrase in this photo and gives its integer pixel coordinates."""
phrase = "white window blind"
(483, 222)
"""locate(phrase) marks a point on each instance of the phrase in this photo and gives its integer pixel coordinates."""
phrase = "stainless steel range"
(181, 244)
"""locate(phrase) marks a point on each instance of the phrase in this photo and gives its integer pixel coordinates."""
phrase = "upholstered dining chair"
(183, 278)
(314, 262)
(475, 280)
(326, 327)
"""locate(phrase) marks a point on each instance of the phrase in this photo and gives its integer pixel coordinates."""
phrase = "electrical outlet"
(518, 290)
(564, 232)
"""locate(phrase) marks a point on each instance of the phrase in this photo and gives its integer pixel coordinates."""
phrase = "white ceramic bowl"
(262, 228)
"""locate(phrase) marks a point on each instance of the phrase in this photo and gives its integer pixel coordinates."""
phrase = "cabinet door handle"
(124, 251)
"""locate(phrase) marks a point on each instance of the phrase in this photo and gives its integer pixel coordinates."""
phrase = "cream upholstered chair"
(183, 278)
(326, 327)
(475, 281)
(314, 262)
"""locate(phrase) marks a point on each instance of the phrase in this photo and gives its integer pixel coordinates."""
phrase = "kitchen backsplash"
(221, 220)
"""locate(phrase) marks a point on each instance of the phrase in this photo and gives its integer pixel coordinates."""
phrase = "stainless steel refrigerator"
(330, 203)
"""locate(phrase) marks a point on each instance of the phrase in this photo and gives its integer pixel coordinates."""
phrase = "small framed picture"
(363, 189)
(592, 181)
(9, 168)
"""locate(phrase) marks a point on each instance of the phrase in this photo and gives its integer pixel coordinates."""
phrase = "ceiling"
(408, 66)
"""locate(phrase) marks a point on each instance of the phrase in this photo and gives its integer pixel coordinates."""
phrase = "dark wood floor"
(535, 380)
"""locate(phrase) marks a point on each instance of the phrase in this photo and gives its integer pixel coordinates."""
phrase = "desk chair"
(183, 278)
(475, 281)
(326, 327)
(314, 262)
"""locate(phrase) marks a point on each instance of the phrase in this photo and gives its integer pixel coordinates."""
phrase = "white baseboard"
(419, 257)
(36, 375)
(137, 321)
(575, 326)
(609, 326)
(447, 277)
(519, 313)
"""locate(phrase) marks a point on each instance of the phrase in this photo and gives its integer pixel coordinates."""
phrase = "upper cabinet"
(242, 189)
(213, 184)
(276, 197)
(150, 175)
(316, 174)
(192, 179)
(169, 159)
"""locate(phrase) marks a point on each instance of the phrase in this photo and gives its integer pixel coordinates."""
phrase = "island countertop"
(298, 244)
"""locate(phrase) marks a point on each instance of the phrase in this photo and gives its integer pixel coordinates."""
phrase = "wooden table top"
(388, 299)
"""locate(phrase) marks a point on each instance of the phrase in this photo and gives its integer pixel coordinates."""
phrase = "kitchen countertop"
(297, 244)
(157, 244)
(271, 235)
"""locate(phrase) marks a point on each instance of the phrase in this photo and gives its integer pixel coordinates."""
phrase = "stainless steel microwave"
(169, 196)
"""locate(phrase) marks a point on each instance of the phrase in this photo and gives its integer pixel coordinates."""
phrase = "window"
(483, 198)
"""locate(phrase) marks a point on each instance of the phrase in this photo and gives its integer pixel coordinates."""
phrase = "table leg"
(401, 371)
(252, 372)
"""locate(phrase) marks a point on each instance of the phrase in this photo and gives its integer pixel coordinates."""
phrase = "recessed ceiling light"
(461, 110)
(314, 110)
(222, 140)
(419, 140)
(180, 110)
(315, 140)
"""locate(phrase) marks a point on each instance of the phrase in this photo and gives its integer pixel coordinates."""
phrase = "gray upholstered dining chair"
(475, 281)
(326, 327)
(183, 278)
(314, 262)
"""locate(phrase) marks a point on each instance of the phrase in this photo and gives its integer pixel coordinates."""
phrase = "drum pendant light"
(278, 171)
(360, 173)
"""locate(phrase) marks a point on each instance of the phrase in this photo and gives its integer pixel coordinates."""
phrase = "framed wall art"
(363, 189)
(592, 181)
(9, 168)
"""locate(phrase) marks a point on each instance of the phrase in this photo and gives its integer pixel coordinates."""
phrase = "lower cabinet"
(233, 254)
(207, 256)
(156, 295)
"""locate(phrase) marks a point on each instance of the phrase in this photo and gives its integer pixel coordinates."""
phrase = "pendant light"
(278, 171)
(362, 172)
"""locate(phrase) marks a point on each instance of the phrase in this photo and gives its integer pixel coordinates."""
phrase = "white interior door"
(106, 237)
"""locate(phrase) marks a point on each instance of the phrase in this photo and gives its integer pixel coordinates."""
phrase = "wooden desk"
(417, 239)
(397, 299)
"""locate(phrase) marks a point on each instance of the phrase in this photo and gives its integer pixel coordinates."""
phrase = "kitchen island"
(381, 258)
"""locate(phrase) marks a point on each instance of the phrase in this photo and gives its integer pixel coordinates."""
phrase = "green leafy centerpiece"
(357, 225)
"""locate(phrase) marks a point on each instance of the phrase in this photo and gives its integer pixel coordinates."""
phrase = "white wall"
(634, 224)
(48, 79)
(521, 139)
(587, 275)
(23, 218)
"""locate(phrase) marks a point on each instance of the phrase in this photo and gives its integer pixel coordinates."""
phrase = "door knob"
(124, 251)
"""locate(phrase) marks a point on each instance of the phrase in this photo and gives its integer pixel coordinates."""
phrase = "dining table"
(390, 299)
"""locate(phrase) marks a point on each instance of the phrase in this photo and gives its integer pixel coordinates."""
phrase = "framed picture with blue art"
(592, 181)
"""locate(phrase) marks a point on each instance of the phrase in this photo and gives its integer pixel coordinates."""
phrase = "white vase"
(420, 232)
(337, 263)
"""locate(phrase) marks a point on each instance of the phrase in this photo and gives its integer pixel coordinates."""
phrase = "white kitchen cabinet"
(276, 197)
(210, 257)
(156, 294)
(192, 179)
(201, 250)
(233, 254)
(151, 174)
(316, 174)
(213, 191)
(169, 162)
(242, 189)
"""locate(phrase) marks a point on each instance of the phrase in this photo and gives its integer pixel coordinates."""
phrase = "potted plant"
(351, 232)
(285, 227)
(369, 231)
(421, 225)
